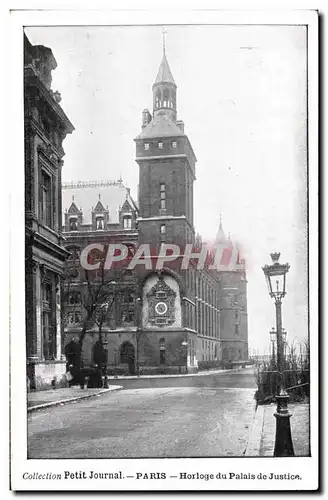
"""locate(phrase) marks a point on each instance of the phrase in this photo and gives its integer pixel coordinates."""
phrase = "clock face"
(161, 308)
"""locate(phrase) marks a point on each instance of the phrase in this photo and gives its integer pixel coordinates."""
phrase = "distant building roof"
(87, 194)
(220, 235)
(161, 126)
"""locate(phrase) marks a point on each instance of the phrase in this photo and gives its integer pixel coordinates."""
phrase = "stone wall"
(46, 375)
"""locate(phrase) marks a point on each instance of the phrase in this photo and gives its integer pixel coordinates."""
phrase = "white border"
(306, 467)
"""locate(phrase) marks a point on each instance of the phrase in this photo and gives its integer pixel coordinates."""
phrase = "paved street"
(242, 378)
(168, 417)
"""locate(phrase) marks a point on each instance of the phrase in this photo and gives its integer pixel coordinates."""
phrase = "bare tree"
(98, 292)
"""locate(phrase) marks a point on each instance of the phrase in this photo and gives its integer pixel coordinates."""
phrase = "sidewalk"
(262, 438)
(38, 400)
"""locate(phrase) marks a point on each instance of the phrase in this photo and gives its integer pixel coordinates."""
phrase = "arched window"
(72, 353)
(166, 99)
(74, 318)
(158, 99)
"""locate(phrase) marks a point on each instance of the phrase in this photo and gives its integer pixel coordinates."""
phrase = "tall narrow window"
(166, 98)
(163, 196)
(236, 322)
(162, 351)
(73, 224)
(45, 199)
(162, 232)
(100, 223)
(160, 145)
(158, 99)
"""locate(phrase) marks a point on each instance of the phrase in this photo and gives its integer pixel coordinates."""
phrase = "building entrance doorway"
(73, 359)
(127, 356)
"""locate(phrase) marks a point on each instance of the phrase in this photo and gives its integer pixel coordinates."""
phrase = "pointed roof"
(73, 208)
(161, 126)
(164, 74)
(127, 206)
(220, 235)
(113, 195)
(99, 207)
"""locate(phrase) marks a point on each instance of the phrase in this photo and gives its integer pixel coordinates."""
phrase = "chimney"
(146, 118)
(180, 125)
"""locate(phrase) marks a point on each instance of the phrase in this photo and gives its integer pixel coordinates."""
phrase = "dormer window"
(160, 145)
(146, 146)
(174, 144)
(73, 224)
(127, 222)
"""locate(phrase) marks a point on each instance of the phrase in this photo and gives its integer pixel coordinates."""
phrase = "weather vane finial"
(164, 32)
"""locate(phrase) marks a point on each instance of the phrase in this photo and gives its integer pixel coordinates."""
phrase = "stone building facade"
(179, 318)
(46, 126)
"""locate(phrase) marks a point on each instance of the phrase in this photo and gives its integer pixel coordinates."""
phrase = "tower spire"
(164, 32)
(220, 235)
(164, 88)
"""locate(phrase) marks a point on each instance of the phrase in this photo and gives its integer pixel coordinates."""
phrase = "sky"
(242, 96)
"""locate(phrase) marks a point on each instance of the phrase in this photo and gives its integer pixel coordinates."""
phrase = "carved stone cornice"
(31, 80)
(33, 126)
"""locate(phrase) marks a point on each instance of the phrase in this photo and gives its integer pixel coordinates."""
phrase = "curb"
(70, 400)
(255, 435)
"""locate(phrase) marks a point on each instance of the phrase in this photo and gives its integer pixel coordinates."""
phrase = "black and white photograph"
(162, 308)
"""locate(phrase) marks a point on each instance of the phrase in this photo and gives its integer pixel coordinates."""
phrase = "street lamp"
(139, 330)
(275, 275)
(185, 346)
(115, 359)
(105, 347)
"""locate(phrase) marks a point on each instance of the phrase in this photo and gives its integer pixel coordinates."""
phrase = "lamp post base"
(284, 444)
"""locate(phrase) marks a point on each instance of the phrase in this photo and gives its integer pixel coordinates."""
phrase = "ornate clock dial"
(161, 308)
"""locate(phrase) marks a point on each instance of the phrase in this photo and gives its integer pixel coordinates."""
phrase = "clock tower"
(166, 176)
(166, 168)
